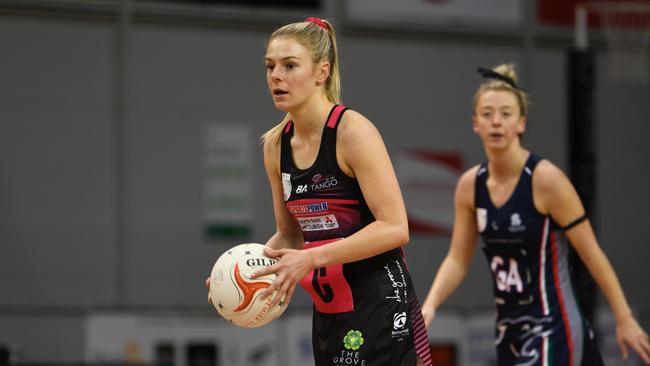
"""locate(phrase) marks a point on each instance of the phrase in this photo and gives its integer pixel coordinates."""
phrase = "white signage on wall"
(469, 12)
(179, 341)
(227, 181)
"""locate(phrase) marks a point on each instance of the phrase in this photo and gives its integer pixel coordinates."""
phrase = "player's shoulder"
(547, 175)
(353, 121)
(469, 175)
(354, 127)
(550, 184)
(467, 180)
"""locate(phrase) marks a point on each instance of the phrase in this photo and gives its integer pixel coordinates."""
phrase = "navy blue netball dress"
(538, 319)
(365, 312)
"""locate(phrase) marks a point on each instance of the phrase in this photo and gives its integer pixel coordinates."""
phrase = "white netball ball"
(236, 295)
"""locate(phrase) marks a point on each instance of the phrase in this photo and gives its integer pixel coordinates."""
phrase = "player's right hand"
(630, 334)
(292, 266)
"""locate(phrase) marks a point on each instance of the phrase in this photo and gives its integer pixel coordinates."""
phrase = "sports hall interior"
(112, 113)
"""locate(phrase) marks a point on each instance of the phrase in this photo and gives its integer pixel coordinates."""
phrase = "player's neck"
(506, 164)
(311, 116)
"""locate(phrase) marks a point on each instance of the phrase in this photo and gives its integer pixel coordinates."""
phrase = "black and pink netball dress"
(365, 312)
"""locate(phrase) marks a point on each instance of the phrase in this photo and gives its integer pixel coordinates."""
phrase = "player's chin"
(495, 145)
(282, 104)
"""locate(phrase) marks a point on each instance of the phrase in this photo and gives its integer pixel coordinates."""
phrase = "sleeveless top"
(528, 256)
(326, 202)
(328, 205)
(372, 298)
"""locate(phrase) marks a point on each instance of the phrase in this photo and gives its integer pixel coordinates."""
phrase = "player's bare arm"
(361, 153)
(459, 258)
(558, 196)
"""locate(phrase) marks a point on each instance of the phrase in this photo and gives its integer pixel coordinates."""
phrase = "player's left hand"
(291, 267)
(630, 334)
(428, 314)
(207, 284)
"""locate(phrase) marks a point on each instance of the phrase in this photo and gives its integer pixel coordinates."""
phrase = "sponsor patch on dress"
(481, 219)
(315, 223)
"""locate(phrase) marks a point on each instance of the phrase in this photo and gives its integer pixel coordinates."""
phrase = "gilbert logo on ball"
(237, 296)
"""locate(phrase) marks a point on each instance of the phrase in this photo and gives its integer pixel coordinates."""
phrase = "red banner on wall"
(428, 181)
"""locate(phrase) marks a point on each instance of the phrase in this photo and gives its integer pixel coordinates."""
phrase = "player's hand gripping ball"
(236, 295)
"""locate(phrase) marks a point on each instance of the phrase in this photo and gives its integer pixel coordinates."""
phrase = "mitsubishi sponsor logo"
(315, 223)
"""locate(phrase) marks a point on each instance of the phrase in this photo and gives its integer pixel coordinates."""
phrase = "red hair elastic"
(318, 21)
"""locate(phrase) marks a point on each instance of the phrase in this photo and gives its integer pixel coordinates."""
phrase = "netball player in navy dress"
(525, 209)
(340, 217)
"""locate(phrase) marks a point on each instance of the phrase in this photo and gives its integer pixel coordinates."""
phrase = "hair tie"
(491, 74)
(318, 21)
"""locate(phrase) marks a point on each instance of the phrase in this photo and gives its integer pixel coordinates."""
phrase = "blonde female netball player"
(340, 217)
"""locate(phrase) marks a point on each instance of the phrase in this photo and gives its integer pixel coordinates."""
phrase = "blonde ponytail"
(318, 36)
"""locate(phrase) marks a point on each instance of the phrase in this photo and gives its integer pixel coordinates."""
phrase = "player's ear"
(521, 126)
(323, 71)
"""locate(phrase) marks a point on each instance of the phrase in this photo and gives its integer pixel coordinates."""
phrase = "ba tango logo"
(302, 188)
(353, 340)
